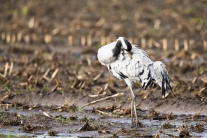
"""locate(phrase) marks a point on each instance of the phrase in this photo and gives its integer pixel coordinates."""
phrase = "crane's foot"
(136, 125)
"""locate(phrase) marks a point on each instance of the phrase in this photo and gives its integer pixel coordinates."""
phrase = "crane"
(130, 63)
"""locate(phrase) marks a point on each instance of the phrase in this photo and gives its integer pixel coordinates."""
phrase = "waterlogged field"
(51, 83)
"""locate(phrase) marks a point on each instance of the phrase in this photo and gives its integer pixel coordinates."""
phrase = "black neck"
(129, 46)
(117, 49)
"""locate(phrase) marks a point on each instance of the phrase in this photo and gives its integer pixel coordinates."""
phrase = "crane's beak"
(130, 54)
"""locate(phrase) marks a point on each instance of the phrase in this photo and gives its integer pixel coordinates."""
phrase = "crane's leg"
(133, 106)
(132, 110)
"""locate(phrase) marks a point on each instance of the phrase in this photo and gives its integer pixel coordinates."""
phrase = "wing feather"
(132, 67)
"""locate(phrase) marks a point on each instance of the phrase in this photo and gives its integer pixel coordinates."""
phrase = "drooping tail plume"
(160, 76)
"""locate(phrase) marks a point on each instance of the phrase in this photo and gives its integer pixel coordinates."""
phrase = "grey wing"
(145, 65)
(134, 68)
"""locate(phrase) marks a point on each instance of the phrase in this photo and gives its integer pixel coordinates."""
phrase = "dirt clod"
(52, 133)
(184, 131)
(170, 116)
(197, 128)
(28, 127)
(167, 126)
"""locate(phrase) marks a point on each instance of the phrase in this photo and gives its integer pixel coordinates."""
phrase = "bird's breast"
(105, 54)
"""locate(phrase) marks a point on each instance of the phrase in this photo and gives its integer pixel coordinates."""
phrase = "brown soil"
(47, 82)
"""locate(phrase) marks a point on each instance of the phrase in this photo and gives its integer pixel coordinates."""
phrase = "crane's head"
(125, 43)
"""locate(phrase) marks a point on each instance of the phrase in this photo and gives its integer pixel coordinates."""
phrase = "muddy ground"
(51, 83)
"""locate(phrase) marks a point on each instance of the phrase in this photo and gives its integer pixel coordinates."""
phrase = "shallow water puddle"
(148, 128)
(153, 127)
